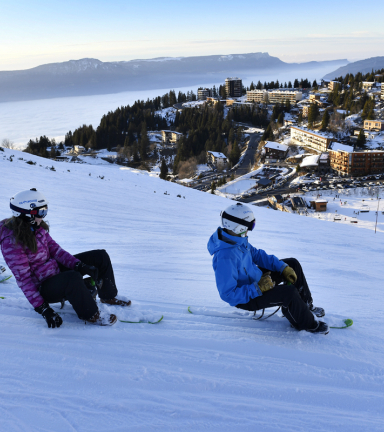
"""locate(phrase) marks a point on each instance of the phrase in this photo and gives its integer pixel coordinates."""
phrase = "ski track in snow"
(191, 372)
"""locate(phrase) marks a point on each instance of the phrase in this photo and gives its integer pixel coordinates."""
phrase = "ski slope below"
(191, 372)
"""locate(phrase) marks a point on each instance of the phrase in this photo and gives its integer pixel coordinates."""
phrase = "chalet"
(275, 150)
(217, 159)
(320, 205)
(298, 203)
(78, 149)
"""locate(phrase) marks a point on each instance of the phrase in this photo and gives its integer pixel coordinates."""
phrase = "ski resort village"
(200, 261)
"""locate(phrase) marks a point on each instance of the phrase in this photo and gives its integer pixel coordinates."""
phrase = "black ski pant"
(69, 284)
(295, 300)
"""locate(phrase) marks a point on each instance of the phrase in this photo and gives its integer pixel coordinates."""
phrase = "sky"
(40, 32)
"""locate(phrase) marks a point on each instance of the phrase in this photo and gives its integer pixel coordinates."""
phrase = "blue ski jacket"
(235, 263)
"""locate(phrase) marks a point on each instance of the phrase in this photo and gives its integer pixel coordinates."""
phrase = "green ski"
(143, 322)
(348, 322)
(5, 279)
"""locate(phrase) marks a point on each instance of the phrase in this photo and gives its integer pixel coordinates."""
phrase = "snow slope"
(190, 372)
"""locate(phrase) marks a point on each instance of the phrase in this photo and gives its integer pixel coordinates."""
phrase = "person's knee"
(290, 293)
(74, 280)
(104, 253)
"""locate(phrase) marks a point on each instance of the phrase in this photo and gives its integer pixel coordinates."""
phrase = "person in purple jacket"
(46, 273)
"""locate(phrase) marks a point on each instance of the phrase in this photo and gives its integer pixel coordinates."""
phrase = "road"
(249, 157)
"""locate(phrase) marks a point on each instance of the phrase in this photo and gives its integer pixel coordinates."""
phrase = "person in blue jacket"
(250, 279)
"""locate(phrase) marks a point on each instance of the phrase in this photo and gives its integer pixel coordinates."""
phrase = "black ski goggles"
(249, 225)
(40, 212)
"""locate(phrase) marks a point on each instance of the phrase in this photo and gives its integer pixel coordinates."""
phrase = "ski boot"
(116, 302)
(102, 319)
(318, 311)
(321, 328)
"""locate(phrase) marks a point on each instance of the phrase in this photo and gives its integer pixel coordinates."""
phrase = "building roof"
(336, 146)
(317, 133)
(310, 161)
(218, 155)
(276, 146)
(264, 181)
(321, 201)
(169, 131)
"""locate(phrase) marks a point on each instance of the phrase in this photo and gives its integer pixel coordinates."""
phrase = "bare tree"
(187, 168)
(6, 143)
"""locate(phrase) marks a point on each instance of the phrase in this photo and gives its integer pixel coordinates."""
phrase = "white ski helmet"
(29, 204)
(238, 218)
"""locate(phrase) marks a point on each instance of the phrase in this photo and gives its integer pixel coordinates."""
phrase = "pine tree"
(313, 113)
(289, 84)
(325, 120)
(163, 170)
(144, 142)
(235, 154)
(52, 153)
(296, 83)
(287, 106)
(361, 140)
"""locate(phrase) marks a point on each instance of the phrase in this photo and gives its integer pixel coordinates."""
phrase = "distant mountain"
(90, 76)
(363, 66)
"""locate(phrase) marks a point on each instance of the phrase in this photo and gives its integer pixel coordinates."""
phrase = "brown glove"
(266, 283)
(289, 275)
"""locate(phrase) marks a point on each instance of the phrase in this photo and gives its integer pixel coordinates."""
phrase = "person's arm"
(68, 260)
(269, 262)
(59, 254)
(17, 260)
(227, 276)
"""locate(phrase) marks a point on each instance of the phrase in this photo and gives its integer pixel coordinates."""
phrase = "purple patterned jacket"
(31, 269)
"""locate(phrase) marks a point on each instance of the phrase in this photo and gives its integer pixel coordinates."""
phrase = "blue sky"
(39, 31)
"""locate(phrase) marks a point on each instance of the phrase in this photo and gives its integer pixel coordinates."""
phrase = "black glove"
(85, 269)
(52, 318)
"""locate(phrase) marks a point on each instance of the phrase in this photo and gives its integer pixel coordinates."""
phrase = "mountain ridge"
(363, 66)
(90, 76)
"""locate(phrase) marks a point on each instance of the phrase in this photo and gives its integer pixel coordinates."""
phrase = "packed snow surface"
(215, 370)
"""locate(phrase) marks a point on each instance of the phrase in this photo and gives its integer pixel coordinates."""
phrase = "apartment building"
(314, 97)
(375, 125)
(316, 140)
(257, 95)
(382, 91)
(234, 87)
(367, 85)
(350, 163)
(333, 84)
(203, 93)
(274, 96)
(305, 110)
(170, 137)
